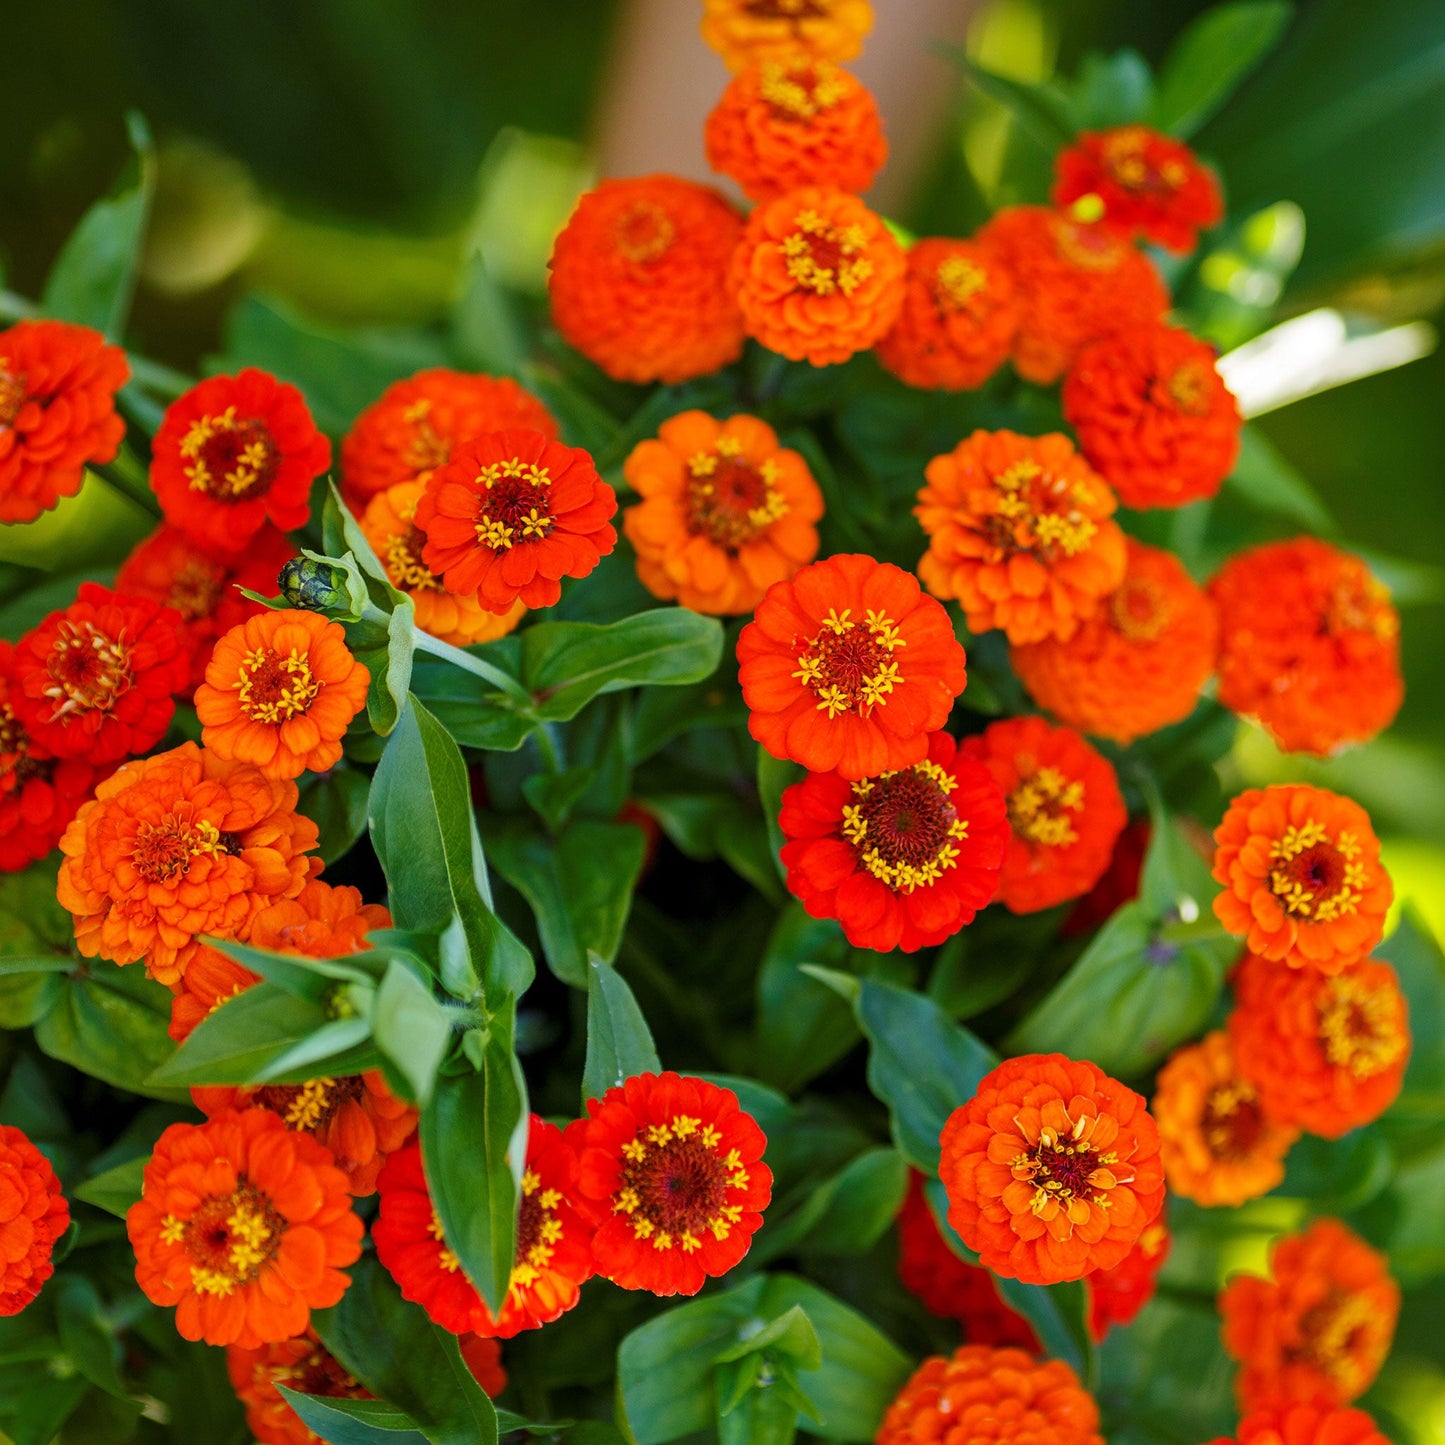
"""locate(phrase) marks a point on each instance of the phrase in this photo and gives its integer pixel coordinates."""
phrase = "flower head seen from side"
(1021, 531)
(33, 1217)
(1117, 1295)
(1302, 879)
(1052, 1169)
(303, 1364)
(726, 511)
(849, 666)
(672, 1172)
(903, 859)
(57, 412)
(244, 1226)
(1306, 1425)
(746, 31)
(1319, 1329)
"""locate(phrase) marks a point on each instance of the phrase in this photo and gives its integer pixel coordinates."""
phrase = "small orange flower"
(1153, 415)
(1020, 531)
(1077, 283)
(233, 453)
(177, 845)
(1309, 645)
(1302, 877)
(280, 691)
(1117, 1295)
(33, 1217)
(960, 314)
(849, 666)
(412, 427)
(1307, 1425)
(1052, 1169)
(746, 31)
(981, 1394)
(639, 279)
(725, 512)
(57, 412)
(1144, 183)
(303, 1364)
(511, 514)
(796, 121)
(818, 276)
(1326, 1052)
(1318, 1332)
(1218, 1143)
(1138, 663)
(672, 1172)
(1064, 807)
(243, 1226)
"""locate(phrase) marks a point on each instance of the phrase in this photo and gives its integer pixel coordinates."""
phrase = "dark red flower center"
(319, 1373)
(848, 666)
(786, 9)
(800, 89)
(1359, 1026)
(515, 505)
(644, 232)
(1359, 604)
(1130, 164)
(1233, 1123)
(1039, 808)
(228, 459)
(310, 1106)
(1139, 609)
(12, 396)
(903, 826)
(88, 669)
(730, 499)
(164, 849)
(1316, 877)
(272, 689)
(1038, 512)
(1342, 1338)
(196, 589)
(229, 1239)
(17, 767)
(675, 1181)
(404, 564)
(823, 259)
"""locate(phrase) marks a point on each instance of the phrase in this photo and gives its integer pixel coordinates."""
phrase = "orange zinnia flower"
(1052, 1169)
(672, 1172)
(746, 31)
(33, 1217)
(1218, 1142)
(243, 1226)
(1138, 663)
(1077, 282)
(1326, 1052)
(725, 512)
(177, 845)
(1309, 645)
(1307, 1425)
(1318, 1332)
(960, 314)
(849, 666)
(1117, 1295)
(553, 1260)
(1302, 876)
(209, 981)
(483, 1357)
(903, 859)
(982, 1394)
(1153, 415)
(280, 691)
(1019, 531)
(1064, 807)
(1144, 183)
(412, 427)
(302, 1364)
(57, 412)
(795, 121)
(818, 275)
(511, 514)
(639, 279)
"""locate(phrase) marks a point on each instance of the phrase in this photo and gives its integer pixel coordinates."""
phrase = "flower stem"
(128, 476)
(468, 662)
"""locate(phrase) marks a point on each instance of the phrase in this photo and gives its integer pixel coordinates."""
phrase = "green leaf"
(485, 333)
(619, 1043)
(44, 1407)
(313, 979)
(859, 1204)
(115, 1190)
(353, 1422)
(86, 1335)
(1268, 482)
(411, 1028)
(1041, 110)
(336, 802)
(1111, 90)
(791, 1335)
(774, 778)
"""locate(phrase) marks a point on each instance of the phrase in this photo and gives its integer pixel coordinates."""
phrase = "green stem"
(502, 681)
(547, 746)
(128, 476)
(1204, 929)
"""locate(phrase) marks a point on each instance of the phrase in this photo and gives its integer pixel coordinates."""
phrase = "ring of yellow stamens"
(1037, 512)
(904, 827)
(88, 670)
(1317, 878)
(426, 449)
(1125, 158)
(849, 666)
(823, 259)
(404, 565)
(12, 394)
(674, 1184)
(272, 689)
(229, 1241)
(731, 499)
(1039, 808)
(515, 508)
(957, 281)
(1065, 1170)
(228, 458)
(1360, 1027)
(800, 89)
(162, 850)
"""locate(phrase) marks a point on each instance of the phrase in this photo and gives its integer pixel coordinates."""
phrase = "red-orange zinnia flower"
(57, 412)
(303, 1364)
(745, 31)
(243, 1225)
(1117, 1295)
(849, 666)
(1052, 1169)
(1307, 1425)
(209, 980)
(33, 1216)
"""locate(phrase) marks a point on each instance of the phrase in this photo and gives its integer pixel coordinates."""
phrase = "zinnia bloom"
(1020, 531)
(33, 1217)
(1064, 807)
(1307, 1425)
(177, 845)
(849, 666)
(639, 279)
(243, 1225)
(280, 691)
(209, 981)
(1117, 1295)
(1302, 876)
(1219, 1144)
(903, 859)
(303, 1364)
(1146, 184)
(1052, 1169)
(796, 121)
(483, 1357)
(553, 1259)
(233, 453)
(960, 314)
(672, 1171)
(818, 276)
(1309, 645)
(511, 514)
(1153, 415)
(57, 412)
(725, 512)
(1327, 1052)
(1138, 663)
(982, 1394)
(1076, 282)
(745, 31)
(1318, 1332)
